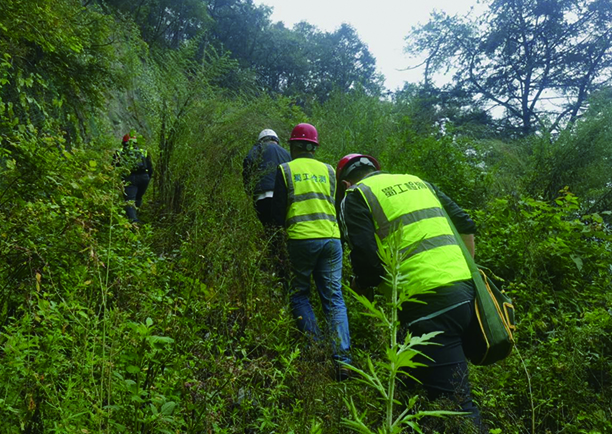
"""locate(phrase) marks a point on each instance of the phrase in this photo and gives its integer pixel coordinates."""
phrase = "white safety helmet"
(268, 134)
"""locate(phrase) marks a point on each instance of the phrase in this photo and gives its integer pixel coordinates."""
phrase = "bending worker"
(304, 204)
(377, 203)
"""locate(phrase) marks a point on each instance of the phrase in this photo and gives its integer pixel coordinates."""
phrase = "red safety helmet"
(127, 138)
(305, 132)
(350, 162)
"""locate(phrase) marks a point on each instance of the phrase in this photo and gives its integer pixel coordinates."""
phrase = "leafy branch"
(383, 376)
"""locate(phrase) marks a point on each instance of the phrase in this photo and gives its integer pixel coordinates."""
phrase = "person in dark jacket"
(259, 171)
(376, 204)
(139, 172)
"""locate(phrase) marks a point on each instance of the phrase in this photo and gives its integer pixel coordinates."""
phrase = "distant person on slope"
(137, 163)
(304, 204)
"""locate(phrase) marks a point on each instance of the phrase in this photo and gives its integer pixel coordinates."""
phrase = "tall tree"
(538, 60)
(240, 26)
(447, 110)
(293, 61)
(282, 59)
(343, 62)
(165, 22)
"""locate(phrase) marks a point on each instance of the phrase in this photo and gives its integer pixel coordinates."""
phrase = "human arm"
(462, 221)
(279, 200)
(247, 174)
(117, 158)
(149, 164)
(358, 230)
(468, 240)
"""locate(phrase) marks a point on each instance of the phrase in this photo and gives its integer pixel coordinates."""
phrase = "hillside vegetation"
(179, 325)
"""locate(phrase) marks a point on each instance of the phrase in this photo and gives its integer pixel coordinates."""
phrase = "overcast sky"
(381, 25)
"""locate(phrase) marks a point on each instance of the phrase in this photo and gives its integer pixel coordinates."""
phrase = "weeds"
(384, 376)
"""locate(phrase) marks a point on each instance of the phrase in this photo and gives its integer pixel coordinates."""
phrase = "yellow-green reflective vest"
(311, 186)
(133, 157)
(406, 203)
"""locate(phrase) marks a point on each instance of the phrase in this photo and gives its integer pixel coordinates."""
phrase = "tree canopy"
(537, 60)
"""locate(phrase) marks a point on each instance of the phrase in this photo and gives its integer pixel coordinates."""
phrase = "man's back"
(135, 159)
(310, 189)
(259, 166)
(434, 258)
(303, 203)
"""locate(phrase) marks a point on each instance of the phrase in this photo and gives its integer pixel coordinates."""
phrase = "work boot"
(343, 373)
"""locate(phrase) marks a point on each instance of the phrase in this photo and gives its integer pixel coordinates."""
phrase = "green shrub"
(556, 266)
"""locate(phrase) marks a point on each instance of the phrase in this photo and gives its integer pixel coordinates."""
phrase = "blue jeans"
(322, 259)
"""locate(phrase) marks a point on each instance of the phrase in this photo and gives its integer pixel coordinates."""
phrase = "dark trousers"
(135, 187)
(447, 375)
(277, 249)
(263, 208)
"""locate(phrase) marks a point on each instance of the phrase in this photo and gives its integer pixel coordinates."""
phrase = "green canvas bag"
(495, 313)
(493, 340)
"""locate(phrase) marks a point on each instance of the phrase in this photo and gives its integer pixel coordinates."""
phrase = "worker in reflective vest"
(303, 203)
(138, 168)
(375, 205)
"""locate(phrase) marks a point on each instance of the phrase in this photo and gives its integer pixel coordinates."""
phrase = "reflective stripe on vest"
(311, 211)
(385, 226)
(405, 202)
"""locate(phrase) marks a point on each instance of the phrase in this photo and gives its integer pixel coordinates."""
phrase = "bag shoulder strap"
(474, 270)
(468, 257)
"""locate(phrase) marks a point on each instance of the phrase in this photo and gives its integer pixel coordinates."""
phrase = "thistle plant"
(384, 375)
